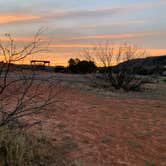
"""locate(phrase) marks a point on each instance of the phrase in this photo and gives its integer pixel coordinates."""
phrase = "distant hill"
(155, 60)
(145, 66)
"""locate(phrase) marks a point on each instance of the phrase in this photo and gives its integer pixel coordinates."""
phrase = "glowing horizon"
(75, 25)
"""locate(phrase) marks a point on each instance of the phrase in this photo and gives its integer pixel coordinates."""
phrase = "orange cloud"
(74, 45)
(56, 58)
(21, 39)
(10, 18)
(113, 36)
(155, 52)
(121, 23)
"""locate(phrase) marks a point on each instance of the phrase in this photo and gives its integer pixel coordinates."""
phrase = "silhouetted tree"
(124, 77)
(21, 93)
(78, 66)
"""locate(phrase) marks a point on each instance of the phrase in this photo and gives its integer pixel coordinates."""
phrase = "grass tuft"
(21, 149)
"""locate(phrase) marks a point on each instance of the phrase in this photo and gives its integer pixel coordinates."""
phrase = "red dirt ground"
(104, 131)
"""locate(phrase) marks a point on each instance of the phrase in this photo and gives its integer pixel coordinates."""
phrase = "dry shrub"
(13, 148)
(20, 149)
(115, 72)
(22, 93)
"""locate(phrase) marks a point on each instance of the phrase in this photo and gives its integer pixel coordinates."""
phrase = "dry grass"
(94, 128)
(20, 149)
(13, 149)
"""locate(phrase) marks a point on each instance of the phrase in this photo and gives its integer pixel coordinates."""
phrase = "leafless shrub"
(21, 92)
(119, 69)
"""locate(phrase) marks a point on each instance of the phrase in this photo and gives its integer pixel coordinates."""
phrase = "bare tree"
(21, 92)
(119, 68)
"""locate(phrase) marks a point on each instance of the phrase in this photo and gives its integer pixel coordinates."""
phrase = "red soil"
(104, 131)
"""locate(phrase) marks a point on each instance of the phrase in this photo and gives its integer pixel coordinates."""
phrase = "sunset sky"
(76, 24)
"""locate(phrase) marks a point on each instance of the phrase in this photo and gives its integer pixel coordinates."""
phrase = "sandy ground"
(102, 130)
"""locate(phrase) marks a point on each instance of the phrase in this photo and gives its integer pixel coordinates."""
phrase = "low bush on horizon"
(82, 67)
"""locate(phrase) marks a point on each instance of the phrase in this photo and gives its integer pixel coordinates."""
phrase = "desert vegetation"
(82, 83)
(23, 90)
(114, 71)
(84, 66)
(23, 95)
(51, 118)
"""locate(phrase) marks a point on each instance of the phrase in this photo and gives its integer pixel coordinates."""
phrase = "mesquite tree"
(119, 67)
(21, 92)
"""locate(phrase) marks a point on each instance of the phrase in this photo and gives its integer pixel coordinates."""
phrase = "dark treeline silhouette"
(78, 66)
(149, 66)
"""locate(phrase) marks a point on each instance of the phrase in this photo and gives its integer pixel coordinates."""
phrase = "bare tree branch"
(109, 55)
(22, 94)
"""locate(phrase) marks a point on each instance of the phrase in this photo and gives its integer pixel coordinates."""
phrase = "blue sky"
(73, 24)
